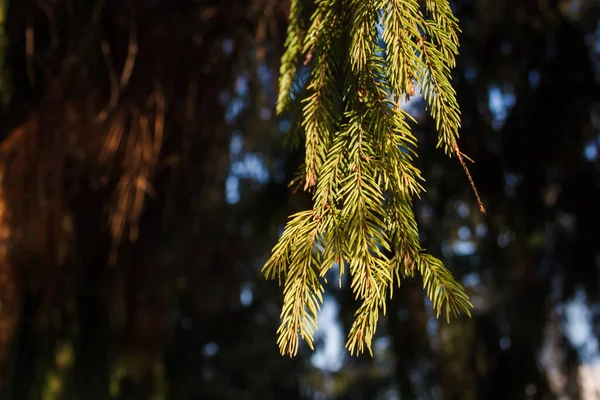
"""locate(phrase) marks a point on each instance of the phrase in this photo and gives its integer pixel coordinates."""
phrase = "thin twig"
(466, 169)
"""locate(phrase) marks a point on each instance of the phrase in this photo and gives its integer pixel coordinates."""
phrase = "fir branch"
(363, 209)
(440, 95)
(445, 28)
(303, 292)
(362, 33)
(277, 264)
(294, 112)
(322, 105)
(404, 238)
(335, 251)
(443, 106)
(445, 293)
(364, 326)
(396, 142)
(336, 164)
(327, 201)
(400, 21)
(361, 163)
(442, 289)
(291, 56)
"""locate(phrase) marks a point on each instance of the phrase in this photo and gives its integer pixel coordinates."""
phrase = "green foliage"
(360, 155)
(291, 56)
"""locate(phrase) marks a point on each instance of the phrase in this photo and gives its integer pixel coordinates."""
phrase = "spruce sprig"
(303, 292)
(362, 33)
(400, 32)
(321, 109)
(444, 29)
(291, 57)
(360, 154)
(440, 95)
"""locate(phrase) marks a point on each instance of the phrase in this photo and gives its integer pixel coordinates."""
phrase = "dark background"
(108, 103)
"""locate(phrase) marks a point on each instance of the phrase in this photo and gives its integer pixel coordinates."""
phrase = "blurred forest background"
(144, 183)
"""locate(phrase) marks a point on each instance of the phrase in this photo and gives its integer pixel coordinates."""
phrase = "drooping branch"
(362, 165)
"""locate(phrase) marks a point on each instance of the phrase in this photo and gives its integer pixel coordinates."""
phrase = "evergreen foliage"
(364, 58)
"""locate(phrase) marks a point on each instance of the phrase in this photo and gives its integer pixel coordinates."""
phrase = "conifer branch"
(291, 56)
(443, 29)
(321, 110)
(400, 33)
(363, 206)
(362, 33)
(440, 95)
(397, 143)
(277, 264)
(442, 289)
(360, 155)
(364, 325)
(295, 260)
(327, 201)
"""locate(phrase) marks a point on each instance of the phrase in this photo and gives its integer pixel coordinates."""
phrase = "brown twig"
(466, 169)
